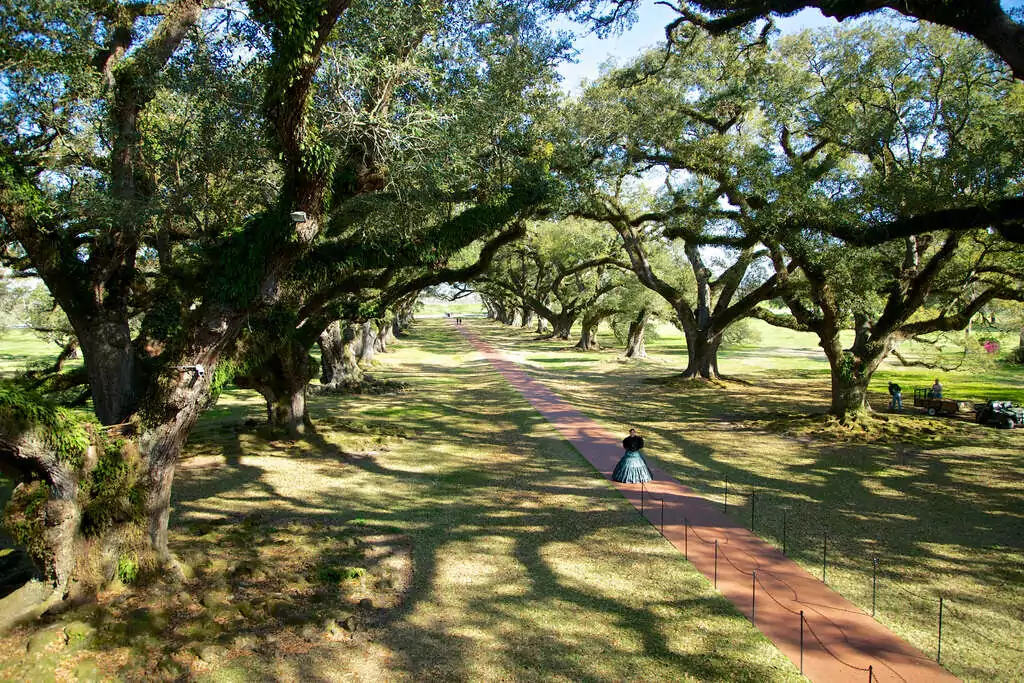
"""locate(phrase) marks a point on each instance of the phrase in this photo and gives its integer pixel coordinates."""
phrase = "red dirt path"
(840, 641)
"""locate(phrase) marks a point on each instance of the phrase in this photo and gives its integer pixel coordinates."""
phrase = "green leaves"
(23, 411)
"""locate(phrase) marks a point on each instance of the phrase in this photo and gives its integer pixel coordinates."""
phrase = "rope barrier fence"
(831, 545)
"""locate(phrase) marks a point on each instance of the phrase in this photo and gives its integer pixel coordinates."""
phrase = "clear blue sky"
(650, 29)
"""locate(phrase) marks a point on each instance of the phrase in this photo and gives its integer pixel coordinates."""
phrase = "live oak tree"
(439, 116)
(1001, 31)
(695, 119)
(83, 182)
(920, 121)
(325, 296)
(562, 270)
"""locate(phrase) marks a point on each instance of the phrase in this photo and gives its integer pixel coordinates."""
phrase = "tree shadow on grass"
(527, 567)
(941, 511)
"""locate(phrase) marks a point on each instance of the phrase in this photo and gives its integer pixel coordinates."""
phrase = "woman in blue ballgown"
(631, 468)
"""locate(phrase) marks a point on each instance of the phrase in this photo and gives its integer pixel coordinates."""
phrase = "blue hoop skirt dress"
(631, 469)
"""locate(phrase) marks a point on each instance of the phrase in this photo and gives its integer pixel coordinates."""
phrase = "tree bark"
(110, 360)
(561, 326)
(588, 333)
(331, 350)
(636, 346)
(367, 348)
(69, 351)
(588, 340)
(27, 454)
(282, 381)
(702, 354)
(850, 379)
(339, 346)
(380, 343)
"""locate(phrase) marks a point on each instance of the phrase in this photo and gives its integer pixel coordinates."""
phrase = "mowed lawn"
(938, 502)
(442, 533)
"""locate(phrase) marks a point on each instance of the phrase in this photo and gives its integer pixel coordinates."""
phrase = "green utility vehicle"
(1002, 414)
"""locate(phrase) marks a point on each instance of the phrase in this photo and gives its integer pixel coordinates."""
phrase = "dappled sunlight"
(938, 501)
(449, 532)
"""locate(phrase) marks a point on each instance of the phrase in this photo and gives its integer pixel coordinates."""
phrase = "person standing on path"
(631, 468)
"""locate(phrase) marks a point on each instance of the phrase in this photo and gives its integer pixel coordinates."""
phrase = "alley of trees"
(210, 191)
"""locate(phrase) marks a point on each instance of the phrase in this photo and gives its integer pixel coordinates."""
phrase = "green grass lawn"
(938, 501)
(21, 348)
(438, 309)
(487, 547)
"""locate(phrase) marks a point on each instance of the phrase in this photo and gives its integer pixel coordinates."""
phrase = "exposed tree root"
(28, 603)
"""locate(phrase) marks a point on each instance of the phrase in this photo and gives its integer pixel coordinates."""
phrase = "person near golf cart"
(936, 390)
(895, 397)
(631, 468)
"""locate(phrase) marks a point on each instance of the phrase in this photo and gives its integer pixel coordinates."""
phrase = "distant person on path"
(896, 397)
(631, 468)
(936, 391)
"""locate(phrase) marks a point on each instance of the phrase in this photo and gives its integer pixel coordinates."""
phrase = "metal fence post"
(663, 515)
(643, 491)
(938, 654)
(753, 497)
(874, 583)
(785, 514)
(824, 555)
(725, 502)
(716, 563)
(871, 673)
(801, 641)
(686, 538)
(753, 597)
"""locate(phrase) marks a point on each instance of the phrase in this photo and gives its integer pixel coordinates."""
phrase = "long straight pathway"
(829, 638)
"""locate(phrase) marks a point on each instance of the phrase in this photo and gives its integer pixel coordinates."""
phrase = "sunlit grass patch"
(21, 348)
(939, 502)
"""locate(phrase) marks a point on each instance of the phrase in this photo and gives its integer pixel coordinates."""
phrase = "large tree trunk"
(588, 340)
(561, 326)
(588, 333)
(48, 507)
(526, 316)
(380, 343)
(385, 334)
(282, 381)
(851, 372)
(849, 396)
(291, 381)
(635, 338)
(702, 354)
(331, 351)
(338, 349)
(110, 360)
(367, 348)
(849, 384)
